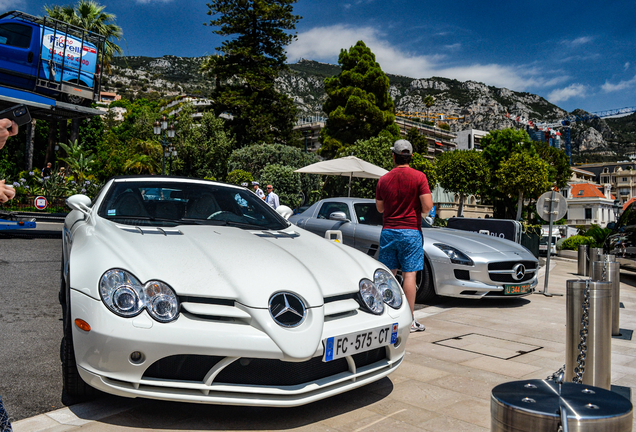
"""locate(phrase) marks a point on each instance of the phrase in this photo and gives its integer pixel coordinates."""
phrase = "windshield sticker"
(112, 212)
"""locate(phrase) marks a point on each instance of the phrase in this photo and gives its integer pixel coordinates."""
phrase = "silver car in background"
(457, 264)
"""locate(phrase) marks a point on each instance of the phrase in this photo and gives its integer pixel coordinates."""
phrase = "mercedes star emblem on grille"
(287, 309)
(518, 271)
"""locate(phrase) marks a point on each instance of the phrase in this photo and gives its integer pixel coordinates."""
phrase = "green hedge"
(573, 242)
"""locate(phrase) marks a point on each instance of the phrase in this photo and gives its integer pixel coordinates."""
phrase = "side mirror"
(339, 216)
(611, 225)
(284, 211)
(79, 202)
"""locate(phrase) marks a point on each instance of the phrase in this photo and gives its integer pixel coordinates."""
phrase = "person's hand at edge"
(7, 128)
(6, 192)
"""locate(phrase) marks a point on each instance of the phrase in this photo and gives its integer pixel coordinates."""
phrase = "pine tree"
(252, 58)
(358, 105)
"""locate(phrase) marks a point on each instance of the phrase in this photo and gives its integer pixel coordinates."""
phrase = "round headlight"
(371, 297)
(161, 301)
(388, 286)
(121, 292)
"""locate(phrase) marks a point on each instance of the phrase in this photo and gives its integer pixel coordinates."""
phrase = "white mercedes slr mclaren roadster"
(197, 291)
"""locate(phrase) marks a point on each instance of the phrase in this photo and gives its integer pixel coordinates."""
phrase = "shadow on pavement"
(158, 415)
(487, 303)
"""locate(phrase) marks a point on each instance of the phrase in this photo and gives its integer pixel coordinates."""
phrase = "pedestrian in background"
(258, 191)
(404, 198)
(46, 171)
(272, 198)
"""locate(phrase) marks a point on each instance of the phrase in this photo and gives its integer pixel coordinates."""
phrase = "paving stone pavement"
(444, 384)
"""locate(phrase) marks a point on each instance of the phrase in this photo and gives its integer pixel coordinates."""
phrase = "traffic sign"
(558, 208)
(40, 202)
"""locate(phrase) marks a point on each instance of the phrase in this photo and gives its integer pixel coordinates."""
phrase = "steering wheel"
(218, 213)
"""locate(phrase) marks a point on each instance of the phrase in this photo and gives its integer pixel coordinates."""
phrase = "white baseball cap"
(402, 147)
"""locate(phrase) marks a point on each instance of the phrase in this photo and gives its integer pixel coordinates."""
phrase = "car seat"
(130, 203)
(202, 206)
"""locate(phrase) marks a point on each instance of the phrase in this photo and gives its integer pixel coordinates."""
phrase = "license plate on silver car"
(345, 345)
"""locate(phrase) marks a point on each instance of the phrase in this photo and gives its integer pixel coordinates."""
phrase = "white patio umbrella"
(349, 166)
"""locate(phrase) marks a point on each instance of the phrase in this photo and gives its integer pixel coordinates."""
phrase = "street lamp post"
(617, 208)
(166, 133)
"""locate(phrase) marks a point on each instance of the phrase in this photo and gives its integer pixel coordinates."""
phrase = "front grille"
(508, 265)
(248, 371)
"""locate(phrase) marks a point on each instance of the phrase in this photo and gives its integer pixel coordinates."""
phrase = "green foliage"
(204, 148)
(429, 168)
(523, 173)
(417, 140)
(444, 126)
(524, 176)
(286, 182)
(358, 104)
(573, 243)
(255, 158)
(559, 170)
(498, 146)
(77, 159)
(253, 55)
(597, 234)
(239, 176)
(464, 172)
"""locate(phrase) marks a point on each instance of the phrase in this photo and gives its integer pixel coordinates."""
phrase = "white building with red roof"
(589, 203)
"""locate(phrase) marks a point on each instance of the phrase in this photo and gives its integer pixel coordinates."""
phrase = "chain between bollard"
(585, 320)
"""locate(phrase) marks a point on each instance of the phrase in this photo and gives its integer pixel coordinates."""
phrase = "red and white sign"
(40, 202)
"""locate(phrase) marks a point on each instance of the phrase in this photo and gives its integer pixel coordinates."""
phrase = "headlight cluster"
(456, 256)
(124, 295)
(383, 289)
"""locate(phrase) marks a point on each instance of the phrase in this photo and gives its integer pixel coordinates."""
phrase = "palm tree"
(77, 159)
(90, 16)
(140, 164)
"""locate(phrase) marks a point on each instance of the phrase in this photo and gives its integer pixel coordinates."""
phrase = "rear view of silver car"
(457, 263)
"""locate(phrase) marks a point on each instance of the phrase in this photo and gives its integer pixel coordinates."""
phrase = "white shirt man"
(257, 190)
(272, 198)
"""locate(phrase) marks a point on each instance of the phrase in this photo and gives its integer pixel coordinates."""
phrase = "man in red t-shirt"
(403, 197)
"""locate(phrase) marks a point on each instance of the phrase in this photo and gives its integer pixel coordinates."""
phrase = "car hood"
(471, 242)
(247, 266)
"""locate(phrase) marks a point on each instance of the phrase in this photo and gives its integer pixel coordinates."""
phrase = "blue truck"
(50, 57)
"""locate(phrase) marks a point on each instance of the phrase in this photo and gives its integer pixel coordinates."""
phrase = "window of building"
(624, 179)
(580, 192)
(588, 213)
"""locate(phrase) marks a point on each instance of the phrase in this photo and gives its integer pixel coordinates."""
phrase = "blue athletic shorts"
(402, 249)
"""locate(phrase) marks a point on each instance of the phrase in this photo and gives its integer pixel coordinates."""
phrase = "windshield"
(177, 203)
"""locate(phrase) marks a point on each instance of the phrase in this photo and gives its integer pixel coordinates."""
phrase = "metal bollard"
(595, 254)
(613, 276)
(538, 405)
(583, 260)
(596, 356)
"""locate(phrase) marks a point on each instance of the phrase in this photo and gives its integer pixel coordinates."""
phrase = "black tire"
(74, 386)
(425, 285)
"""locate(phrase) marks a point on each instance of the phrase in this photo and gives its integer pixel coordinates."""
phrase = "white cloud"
(324, 44)
(9, 5)
(626, 66)
(578, 41)
(573, 90)
(609, 87)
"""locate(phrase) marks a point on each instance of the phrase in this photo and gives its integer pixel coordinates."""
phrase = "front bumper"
(103, 356)
(479, 285)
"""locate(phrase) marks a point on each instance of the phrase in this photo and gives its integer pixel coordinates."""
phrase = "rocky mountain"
(462, 105)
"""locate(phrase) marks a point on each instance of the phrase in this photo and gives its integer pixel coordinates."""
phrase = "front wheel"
(425, 285)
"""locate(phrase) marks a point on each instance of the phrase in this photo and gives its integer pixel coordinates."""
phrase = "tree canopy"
(358, 103)
(253, 55)
(464, 172)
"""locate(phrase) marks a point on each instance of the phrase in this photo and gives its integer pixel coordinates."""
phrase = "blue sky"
(576, 54)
